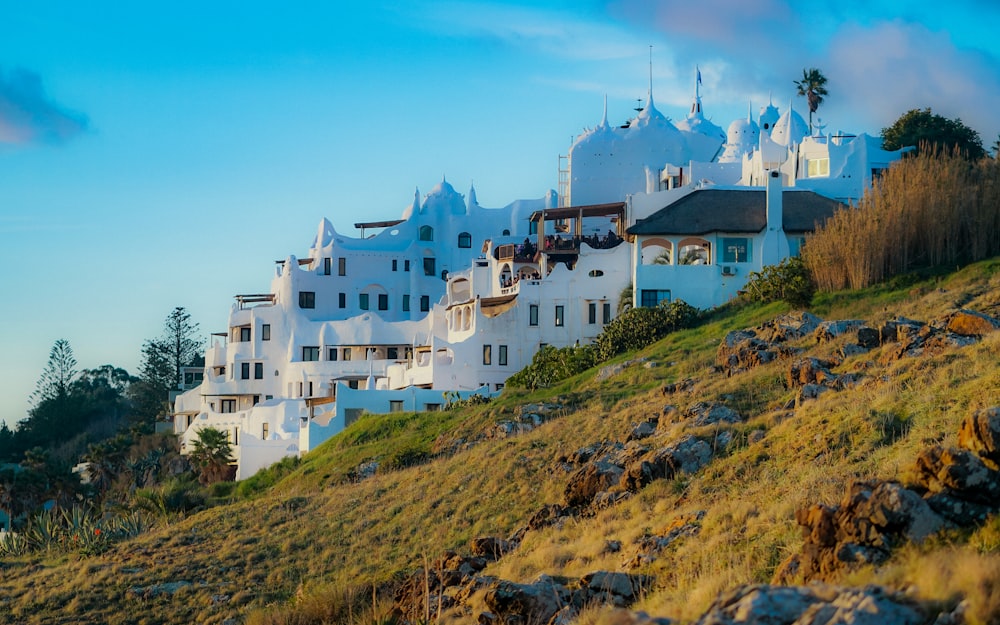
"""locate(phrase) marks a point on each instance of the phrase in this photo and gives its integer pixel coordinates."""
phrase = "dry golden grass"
(930, 210)
(318, 560)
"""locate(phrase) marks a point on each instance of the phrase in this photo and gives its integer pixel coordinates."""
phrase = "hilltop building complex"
(452, 298)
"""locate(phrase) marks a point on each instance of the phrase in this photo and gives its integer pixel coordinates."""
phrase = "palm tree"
(812, 86)
(212, 455)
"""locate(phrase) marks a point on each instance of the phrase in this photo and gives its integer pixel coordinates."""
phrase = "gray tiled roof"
(736, 210)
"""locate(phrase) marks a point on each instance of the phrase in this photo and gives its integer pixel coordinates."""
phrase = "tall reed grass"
(934, 209)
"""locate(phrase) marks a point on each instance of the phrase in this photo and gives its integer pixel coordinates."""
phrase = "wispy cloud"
(28, 115)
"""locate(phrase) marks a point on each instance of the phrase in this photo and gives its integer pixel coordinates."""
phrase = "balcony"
(255, 299)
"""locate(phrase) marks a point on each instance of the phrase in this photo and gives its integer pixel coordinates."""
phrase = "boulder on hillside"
(828, 330)
(592, 478)
(710, 413)
(810, 371)
(869, 338)
(788, 327)
(980, 433)
(957, 472)
(536, 602)
(971, 323)
(817, 604)
(490, 547)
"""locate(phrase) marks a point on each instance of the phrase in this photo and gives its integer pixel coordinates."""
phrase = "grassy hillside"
(315, 539)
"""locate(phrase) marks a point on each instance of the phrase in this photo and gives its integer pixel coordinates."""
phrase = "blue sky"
(162, 156)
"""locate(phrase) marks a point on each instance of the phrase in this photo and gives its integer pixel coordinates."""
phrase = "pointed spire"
(472, 201)
(604, 118)
(749, 110)
(696, 105)
(649, 103)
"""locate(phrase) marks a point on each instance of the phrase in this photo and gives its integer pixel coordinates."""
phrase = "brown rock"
(589, 480)
(960, 473)
(971, 323)
(980, 433)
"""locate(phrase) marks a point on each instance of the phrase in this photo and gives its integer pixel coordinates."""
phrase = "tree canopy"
(813, 87)
(212, 455)
(925, 130)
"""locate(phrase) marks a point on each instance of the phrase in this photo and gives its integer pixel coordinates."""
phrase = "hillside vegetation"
(332, 538)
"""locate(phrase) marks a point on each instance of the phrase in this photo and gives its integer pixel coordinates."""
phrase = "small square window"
(310, 354)
(392, 353)
(244, 370)
(395, 405)
(425, 303)
(307, 299)
(258, 371)
(331, 354)
(363, 301)
(347, 353)
(244, 334)
(430, 267)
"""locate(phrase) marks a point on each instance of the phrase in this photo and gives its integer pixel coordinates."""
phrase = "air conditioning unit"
(728, 271)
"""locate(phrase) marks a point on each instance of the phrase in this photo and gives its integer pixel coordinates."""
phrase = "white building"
(454, 297)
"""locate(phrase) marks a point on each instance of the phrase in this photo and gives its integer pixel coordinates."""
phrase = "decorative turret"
(443, 199)
(414, 208)
(471, 201)
(742, 138)
(704, 139)
(790, 128)
(768, 116)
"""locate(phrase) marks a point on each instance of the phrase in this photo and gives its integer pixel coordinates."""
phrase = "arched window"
(656, 251)
(506, 232)
(595, 273)
(694, 251)
(426, 233)
(464, 240)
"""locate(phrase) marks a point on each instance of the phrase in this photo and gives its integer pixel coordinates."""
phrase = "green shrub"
(403, 458)
(551, 364)
(788, 281)
(267, 477)
(639, 327)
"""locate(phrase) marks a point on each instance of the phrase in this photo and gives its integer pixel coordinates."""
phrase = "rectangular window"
(383, 301)
(737, 250)
(425, 303)
(818, 167)
(392, 353)
(592, 312)
(327, 266)
(258, 371)
(649, 298)
(310, 354)
(342, 300)
(244, 370)
(341, 266)
(606, 313)
(406, 302)
(487, 354)
(395, 405)
(228, 406)
(307, 299)
(559, 316)
(352, 384)
(395, 264)
(245, 334)
(331, 354)
(264, 431)
(256, 399)
(432, 407)
(795, 245)
(347, 353)
(406, 265)
(430, 267)
(265, 332)
(502, 356)
(310, 390)
(533, 315)
(363, 301)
